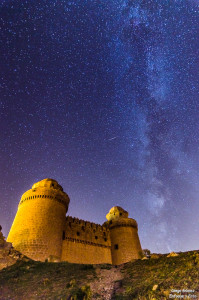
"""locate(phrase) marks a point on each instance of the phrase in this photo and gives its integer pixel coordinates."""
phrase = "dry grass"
(140, 279)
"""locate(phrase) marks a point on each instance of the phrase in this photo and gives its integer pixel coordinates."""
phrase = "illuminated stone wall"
(85, 242)
(42, 231)
(39, 222)
(125, 243)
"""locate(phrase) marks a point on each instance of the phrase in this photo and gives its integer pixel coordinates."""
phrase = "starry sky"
(103, 97)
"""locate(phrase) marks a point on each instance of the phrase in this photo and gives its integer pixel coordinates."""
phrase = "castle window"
(83, 228)
(111, 222)
(78, 233)
(63, 235)
(105, 239)
(69, 224)
(52, 184)
(96, 237)
(116, 246)
(120, 214)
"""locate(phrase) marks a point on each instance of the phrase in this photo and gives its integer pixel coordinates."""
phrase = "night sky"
(102, 96)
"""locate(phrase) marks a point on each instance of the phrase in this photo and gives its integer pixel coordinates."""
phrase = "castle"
(41, 230)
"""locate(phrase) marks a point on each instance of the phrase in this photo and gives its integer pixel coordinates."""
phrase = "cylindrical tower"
(125, 243)
(39, 223)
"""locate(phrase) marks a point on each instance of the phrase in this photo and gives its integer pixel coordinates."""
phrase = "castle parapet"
(42, 231)
(85, 242)
(122, 222)
(46, 188)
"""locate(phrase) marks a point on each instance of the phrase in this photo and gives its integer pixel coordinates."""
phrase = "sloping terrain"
(157, 278)
(8, 254)
(162, 278)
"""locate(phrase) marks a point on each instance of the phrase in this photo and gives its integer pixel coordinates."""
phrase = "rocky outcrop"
(8, 255)
(172, 254)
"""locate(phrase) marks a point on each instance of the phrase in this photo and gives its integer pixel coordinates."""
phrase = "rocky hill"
(8, 255)
(158, 277)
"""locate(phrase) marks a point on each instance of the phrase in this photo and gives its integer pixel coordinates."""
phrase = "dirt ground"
(107, 283)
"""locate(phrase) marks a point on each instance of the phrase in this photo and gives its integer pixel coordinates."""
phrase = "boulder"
(8, 255)
(172, 254)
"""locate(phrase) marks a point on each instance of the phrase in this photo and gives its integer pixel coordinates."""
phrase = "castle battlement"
(86, 224)
(41, 230)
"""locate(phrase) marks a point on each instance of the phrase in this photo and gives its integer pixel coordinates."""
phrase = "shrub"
(83, 293)
(146, 252)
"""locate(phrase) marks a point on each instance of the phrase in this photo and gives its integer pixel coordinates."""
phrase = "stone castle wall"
(42, 231)
(125, 243)
(34, 233)
(85, 242)
(39, 222)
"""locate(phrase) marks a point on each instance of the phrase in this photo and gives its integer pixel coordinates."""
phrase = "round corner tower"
(125, 243)
(38, 225)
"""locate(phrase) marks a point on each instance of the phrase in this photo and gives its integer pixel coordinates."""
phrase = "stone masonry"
(41, 230)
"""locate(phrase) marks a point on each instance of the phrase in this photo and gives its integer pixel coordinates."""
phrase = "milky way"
(103, 97)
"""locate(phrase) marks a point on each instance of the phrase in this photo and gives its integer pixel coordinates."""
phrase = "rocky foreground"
(8, 255)
(174, 276)
(159, 277)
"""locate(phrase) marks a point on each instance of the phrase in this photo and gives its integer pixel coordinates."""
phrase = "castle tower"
(125, 243)
(38, 225)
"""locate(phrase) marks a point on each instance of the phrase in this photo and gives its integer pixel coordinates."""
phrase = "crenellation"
(84, 223)
(58, 199)
(41, 230)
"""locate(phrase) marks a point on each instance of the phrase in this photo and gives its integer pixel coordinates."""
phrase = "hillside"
(154, 278)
